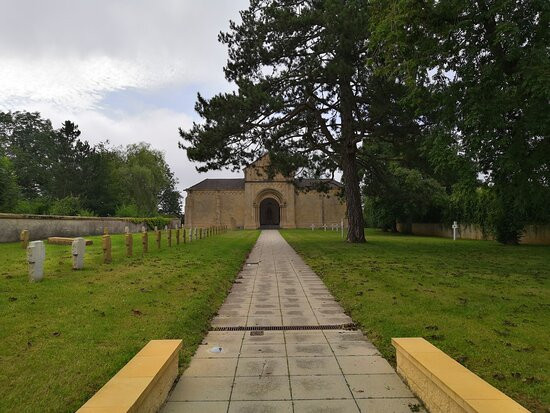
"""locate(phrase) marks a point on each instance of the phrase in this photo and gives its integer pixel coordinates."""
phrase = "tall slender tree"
(301, 73)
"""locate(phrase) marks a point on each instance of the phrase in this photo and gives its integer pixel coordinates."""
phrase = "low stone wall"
(44, 226)
(534, 234)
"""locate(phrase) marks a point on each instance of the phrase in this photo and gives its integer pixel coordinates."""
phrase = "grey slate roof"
(219, 185)
(308, 183)
(231, 184)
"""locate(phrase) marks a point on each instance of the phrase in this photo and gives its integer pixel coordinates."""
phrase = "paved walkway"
(320, 370)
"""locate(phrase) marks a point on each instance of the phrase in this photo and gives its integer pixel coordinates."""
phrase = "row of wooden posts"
(191, 234)
(36, 252)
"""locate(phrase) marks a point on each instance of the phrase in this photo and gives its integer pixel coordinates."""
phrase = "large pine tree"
(301, 73)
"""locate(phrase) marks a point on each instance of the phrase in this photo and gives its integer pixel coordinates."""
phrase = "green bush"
(38, 206)
(127, 210)
(68, 206)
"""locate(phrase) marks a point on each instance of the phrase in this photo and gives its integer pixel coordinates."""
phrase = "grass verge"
(63, 338)
(484, 304)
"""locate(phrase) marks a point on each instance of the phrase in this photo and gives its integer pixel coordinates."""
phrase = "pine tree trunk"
(356, 226)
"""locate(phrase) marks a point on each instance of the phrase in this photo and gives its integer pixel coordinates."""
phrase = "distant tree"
(302, 73)
(28, 141)
(145, 176)
(399, 194)
(60, 173)
(170, 198)
(9, 191)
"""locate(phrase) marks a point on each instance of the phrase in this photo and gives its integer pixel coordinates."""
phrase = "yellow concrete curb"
(143, 384)
(443, 384)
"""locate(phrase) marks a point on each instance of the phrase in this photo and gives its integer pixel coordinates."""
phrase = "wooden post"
(24, 238)
(170, 237)
(145, 241)
(158, 237)
(177, 236)
(106, 245)
(200, 233)
(129, 241)
(184, 236)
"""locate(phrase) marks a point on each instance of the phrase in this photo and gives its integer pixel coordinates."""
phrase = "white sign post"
(455, 227)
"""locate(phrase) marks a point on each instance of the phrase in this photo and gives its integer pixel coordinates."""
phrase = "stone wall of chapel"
(318, 208)
(335, 208)
(212, 208)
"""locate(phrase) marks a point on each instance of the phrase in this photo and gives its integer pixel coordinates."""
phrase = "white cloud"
(70, 54)
(73, 84)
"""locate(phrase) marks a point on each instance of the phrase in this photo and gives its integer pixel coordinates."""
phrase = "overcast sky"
(123, 70)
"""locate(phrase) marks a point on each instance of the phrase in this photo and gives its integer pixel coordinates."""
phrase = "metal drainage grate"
(349, 326)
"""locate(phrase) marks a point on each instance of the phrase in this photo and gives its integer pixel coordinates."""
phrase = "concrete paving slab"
(325, 406)
(261, 388)
(258, 367)
(260, 407)
(320, 387)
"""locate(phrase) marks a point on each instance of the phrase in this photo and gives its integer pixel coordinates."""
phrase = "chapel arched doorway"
(270, 213)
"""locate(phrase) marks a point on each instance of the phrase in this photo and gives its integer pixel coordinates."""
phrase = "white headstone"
(78, 250)
(126, 230)
(312, 227)
(325, 227)
(156, 228)
(166, 227)
(36, 254)
(142, 228)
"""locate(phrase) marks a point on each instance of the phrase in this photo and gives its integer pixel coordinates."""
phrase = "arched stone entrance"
(270, 213)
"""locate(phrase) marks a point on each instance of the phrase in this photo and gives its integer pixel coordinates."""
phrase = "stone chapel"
(260, 202)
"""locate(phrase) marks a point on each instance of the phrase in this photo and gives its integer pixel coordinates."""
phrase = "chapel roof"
(229, 184)
(222, 184)
(308, 183)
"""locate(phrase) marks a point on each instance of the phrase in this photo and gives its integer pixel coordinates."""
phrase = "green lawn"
(63, 338)
(484, 304)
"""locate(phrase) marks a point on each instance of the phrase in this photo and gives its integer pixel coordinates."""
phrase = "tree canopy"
(478, 73)
(45, 170)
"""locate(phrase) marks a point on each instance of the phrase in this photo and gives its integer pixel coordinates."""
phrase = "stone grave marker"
(36, 254)
(158, 235)
(106, 245)
(78, 249)
(145, 240)
(129, 242)
(24, 238)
